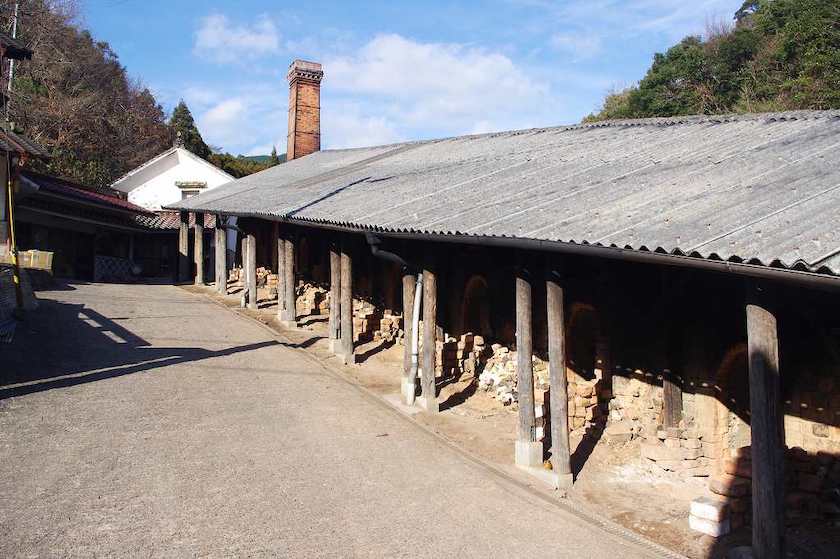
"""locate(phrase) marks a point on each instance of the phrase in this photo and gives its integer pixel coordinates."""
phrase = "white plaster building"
(171, 176)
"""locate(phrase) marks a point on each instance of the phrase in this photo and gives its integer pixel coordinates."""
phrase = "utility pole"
(12, 61)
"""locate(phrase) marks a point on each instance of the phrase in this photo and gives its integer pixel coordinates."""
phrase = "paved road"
(146, 421)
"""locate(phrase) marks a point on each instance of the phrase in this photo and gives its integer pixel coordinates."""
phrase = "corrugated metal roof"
(762, 189)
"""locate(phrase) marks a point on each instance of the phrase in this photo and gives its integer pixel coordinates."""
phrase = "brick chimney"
(304, 109)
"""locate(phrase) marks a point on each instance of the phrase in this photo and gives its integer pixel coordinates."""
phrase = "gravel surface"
(145, 421)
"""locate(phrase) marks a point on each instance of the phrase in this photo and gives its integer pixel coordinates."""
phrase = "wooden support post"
(335, 298)
(766, 427)
(251, 274)
(409, 287)
(346, 305)
(198, 228)
(559, 402)
(243, 276)
(529, 451)
(275, 255)
(290, 318)
(672, 401)
(280, 249)
(427, 381)
(184, 247)
(221, 256)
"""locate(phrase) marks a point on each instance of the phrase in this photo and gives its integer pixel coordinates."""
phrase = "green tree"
(273, 159)
(183, 126)
(76, 99)
(778, 55)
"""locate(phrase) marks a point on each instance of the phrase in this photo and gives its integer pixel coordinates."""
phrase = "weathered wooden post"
(560, 453)
(251, 274)
(275, 255)
(184, 247)
(427, 381)
(335, 297)
(280, 249)
(243, 277)
(198, 227)
(672, 400)
(409, 286)
(346, 305)
(221, 256)
(290, 318)
(766, 427)
(529, 451)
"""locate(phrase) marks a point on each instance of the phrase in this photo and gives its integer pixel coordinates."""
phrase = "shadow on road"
(65, 344)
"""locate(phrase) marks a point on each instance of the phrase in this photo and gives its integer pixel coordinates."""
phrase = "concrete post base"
(289, 323)
(421, 402)
(332, 345)
(347, 359)
(529, 454)
(563, 481)
(409, 392)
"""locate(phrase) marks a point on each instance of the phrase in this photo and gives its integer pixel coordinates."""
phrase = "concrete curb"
(397, 408)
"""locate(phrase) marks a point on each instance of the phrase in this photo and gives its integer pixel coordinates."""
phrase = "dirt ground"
(611, 480)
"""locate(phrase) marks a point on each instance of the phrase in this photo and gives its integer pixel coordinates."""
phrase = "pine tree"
(182, 123)
(273, 159)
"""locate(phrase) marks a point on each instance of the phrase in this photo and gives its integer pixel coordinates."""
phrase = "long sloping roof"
(761, 189)
(68, 189)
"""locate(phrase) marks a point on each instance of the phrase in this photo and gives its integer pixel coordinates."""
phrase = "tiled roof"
(758, 189)
(169, 219)
(68, 189)
(9, 141)
(14, 48)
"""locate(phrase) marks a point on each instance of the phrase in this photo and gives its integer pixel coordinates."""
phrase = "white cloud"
(347, 124)
(222, 122)
(671, 18)
(580, 45)
(406, 88)
(220, 40)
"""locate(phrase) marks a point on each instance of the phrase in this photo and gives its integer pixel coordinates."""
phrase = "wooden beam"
(346, 305)
(251, 274)
(409, 289)
(427, 381)
(198, 228)
(529, 451)
(221, 256)
(184, 247)
(335, 297)
(766, 427)
(290, 318)
(560, 453)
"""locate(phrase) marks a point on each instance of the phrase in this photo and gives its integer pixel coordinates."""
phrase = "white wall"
(157, 183)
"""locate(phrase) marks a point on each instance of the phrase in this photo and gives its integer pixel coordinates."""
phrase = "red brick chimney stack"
(304, 109)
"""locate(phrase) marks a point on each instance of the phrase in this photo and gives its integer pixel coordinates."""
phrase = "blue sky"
(393, 70)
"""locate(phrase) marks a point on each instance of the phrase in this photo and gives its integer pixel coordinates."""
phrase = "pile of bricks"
(812, 491)
(499, 374)
(636, 401)
(455, 356)
(311, 299)
(677, 450)
(390, 328)
(366, 320)
(586, 407)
